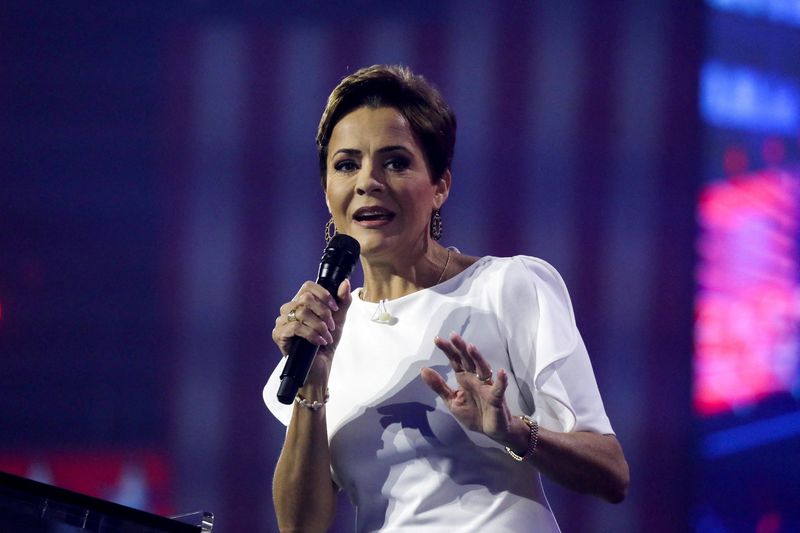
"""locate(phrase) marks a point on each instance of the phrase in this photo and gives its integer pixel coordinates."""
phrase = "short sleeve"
(548, 358)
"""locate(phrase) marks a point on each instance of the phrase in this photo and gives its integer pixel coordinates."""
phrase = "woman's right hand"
(314, 315)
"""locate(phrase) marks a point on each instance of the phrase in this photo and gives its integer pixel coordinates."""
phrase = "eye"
(345, 165)
(397, 164)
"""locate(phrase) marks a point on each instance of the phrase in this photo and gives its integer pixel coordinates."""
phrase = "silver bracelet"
(315, 405)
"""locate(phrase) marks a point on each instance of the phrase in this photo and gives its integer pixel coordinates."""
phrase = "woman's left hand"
(479, 402)
(582, 461)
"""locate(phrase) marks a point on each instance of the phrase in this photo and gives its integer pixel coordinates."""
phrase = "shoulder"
(516, 278)
(525, 282)
(523, 269)
(538, 271)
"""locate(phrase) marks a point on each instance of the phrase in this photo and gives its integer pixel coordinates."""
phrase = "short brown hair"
(430, 117)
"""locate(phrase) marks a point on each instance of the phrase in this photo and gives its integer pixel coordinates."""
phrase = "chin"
(373, 242)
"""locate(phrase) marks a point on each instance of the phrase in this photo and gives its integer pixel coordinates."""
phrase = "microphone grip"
(337, 263)
(302, 352)
(295, 370)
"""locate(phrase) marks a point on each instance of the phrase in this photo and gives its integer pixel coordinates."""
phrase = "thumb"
(344, 293)
(345, 297)
(436, 382)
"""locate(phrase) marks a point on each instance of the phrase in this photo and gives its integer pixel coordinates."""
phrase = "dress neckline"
(407, 297)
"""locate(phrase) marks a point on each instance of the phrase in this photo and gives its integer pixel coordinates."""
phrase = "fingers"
(451, 352)
(306, 314)
(311, 314)
(312, 301)
(320, 292)
(436, 382)
(500, 385)
(464, 357)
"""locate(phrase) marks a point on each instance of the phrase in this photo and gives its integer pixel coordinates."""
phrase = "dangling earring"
(436, 225)
(330, 231)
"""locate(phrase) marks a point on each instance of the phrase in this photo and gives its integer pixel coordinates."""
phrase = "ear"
(442, 189)
(328, 203)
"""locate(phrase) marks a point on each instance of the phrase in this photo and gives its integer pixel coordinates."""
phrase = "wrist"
(517, 436)
(313, 405)
(314, 392)
(526, 438)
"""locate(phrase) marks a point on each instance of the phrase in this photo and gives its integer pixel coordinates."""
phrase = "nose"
(370, 179)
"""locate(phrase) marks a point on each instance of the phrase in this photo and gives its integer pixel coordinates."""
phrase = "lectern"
(27, 506)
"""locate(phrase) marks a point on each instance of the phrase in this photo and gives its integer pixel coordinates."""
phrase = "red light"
(734, 160)
(769, 523)
(746, 308)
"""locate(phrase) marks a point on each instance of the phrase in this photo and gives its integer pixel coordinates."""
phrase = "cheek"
(337, 200)
(422, 199)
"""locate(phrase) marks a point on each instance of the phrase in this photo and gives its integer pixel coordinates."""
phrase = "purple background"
(159, 199)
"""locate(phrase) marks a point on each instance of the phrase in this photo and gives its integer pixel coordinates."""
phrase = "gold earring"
(330, 231)
(436, 225)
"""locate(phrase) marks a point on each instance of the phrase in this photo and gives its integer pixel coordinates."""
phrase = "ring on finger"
(486, 380)
(292, 316)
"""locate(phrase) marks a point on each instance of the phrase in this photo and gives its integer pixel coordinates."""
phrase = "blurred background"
(160, 198)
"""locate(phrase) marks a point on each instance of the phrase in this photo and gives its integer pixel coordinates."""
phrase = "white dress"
(398, 453)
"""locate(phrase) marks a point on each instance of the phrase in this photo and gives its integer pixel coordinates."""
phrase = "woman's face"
(379, 188)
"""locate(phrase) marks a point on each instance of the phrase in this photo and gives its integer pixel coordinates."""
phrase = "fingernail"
(322, 340)
(332, 305)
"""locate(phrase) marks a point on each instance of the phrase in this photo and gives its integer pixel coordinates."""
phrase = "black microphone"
(337, 263)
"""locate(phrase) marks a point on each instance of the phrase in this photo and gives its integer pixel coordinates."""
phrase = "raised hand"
(479, 402)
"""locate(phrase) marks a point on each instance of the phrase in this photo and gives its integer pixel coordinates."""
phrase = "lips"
(373, 213)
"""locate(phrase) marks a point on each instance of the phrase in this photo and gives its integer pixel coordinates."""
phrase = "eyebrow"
(383, 150)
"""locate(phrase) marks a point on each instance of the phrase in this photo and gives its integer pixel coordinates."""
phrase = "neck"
(387, 280)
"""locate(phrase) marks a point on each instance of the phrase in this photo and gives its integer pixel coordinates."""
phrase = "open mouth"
(373, 214)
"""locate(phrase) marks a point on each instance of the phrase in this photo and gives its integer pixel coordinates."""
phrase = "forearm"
(585, 462)
(303, 492)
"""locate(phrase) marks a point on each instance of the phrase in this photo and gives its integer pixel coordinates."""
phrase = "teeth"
(373, 214)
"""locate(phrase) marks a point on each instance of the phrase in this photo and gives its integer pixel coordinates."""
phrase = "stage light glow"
(137, 478)
(751, 435)
(781, 11)
(744, 98)
(747, 345)
(769, 523)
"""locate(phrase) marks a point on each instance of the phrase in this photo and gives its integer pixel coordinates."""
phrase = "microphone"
(337, 263)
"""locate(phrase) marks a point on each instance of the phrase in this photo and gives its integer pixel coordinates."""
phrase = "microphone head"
(344, 243)
(338, 260)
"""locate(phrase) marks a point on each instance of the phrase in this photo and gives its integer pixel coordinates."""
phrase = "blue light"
(744, 98)
(785, 11)
(751, 435)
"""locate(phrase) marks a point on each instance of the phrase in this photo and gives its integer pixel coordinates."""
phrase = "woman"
(448, 382)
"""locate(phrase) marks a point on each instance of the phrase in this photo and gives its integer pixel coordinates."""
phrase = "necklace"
(446, 263)
(363, 293)
(382, 314)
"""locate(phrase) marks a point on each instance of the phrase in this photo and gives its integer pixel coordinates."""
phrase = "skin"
(376, 160)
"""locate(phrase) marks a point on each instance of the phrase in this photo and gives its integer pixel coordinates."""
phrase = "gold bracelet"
(533, 439)
(315, 405)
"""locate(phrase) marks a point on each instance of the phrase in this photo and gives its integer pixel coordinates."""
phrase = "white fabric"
(404, 461)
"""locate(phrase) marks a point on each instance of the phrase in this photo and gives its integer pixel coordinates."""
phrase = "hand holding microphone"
(314, 318)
